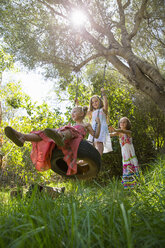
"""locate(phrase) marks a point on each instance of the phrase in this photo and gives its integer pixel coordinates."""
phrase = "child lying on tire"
(66, 138)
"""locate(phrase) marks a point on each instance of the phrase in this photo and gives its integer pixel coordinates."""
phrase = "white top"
(128, 151)
(104, 132)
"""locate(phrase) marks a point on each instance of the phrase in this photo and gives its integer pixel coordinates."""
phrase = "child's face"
(95, 102)
(123, 123)
(76, 114)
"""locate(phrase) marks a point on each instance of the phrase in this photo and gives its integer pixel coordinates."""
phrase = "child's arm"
(89, 115)
(112, 131)
(105, 107)
(118, 131)
(128, 132)
(114, 134)
(91, 131)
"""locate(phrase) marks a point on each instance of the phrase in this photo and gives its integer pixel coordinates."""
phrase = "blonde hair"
(83, 109)
(90, 102)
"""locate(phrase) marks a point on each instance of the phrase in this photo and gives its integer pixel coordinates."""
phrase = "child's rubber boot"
(15, 136)
(54, 135)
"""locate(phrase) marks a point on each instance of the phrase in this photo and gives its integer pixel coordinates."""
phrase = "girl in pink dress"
(66, 138)
(129, 159)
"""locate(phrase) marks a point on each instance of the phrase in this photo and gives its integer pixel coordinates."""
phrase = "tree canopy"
(128, 34)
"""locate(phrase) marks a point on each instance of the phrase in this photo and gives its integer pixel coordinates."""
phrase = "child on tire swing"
(66, 138)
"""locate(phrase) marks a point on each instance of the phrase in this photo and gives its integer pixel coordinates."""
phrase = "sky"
(32, 83)
(36, 86)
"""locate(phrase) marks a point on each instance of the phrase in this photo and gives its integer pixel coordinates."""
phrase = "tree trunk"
(143, 76)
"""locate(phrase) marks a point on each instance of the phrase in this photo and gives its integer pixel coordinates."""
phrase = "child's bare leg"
(19, 138)
(58, 136)
(32, 137)
(99, 147)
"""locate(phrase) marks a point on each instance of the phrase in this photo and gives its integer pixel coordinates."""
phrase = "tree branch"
(121, 67)
(139, 79)
(53, 11)
(58, 61)
(125, 41)
(93, 41)
(78, 67)
(157, 37)
(151, 73)
(138, 18)
(126, 4)
(101, 13)
(95, 25)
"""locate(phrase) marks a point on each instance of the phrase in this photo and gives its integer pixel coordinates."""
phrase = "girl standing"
(129, 159)
(67, 139)
(99, 107)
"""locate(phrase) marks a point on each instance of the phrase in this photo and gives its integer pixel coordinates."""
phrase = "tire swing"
(86, 152)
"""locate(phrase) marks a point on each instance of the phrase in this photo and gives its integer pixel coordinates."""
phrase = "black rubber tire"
(87, 153)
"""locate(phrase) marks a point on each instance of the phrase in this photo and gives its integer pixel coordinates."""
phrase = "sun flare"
(78, 18)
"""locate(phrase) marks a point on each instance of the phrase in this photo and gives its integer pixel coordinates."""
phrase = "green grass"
(89, 215)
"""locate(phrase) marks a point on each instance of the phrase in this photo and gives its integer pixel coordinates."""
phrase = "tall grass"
(89, 215)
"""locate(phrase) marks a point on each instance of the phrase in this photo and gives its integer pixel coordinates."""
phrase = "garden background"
(120, 48)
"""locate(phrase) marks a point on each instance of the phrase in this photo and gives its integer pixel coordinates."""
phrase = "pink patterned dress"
(42, 151)
(130, 162)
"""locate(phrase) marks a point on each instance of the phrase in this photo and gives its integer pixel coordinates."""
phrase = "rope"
(77, 87)
(76, 97)
(105, 66)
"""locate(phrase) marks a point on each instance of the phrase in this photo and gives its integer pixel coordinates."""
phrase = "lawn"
(88, 215)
